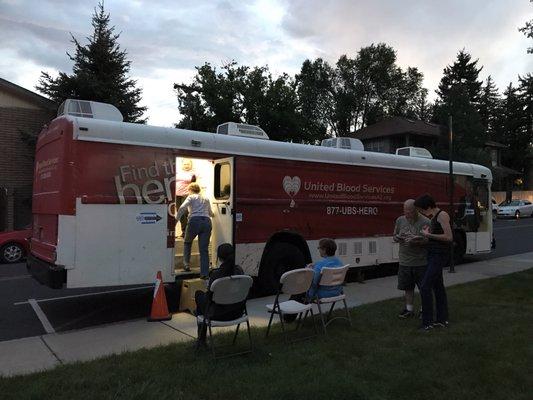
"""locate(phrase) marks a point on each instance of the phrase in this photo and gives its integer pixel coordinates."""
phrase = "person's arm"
(396, 235)
(419, 239)
(183, 208)
(213, 276)
(211, 213)
(444, 220)
(317, 271)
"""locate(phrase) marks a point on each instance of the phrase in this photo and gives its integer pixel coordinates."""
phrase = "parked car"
(515, 208)
(14, 245)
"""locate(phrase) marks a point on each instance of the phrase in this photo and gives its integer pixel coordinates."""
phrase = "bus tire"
(281, 257)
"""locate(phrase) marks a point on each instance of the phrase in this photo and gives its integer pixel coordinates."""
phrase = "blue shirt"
(325, 291)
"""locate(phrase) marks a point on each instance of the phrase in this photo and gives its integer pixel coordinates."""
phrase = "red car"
(14, 245)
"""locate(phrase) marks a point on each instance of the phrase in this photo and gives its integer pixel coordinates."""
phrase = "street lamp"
(451, 209)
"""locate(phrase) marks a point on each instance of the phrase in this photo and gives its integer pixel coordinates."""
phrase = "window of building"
(377, 146)
(494, 157)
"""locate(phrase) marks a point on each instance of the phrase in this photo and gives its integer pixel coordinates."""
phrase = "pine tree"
(490, 108)
(100, 72)
(514, 130)
(525, 93)
(460, 96)
(461, 78)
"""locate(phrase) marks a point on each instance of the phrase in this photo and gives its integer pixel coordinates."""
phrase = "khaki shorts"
(409, 277)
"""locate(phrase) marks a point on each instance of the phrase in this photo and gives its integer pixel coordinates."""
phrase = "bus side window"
(222, 181)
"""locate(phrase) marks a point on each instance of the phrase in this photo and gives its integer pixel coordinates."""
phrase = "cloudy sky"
(166, 39)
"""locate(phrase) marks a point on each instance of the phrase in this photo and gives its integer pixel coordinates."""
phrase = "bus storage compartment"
(120, 244)
(48, 274)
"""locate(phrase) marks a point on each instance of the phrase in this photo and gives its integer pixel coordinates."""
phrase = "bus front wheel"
(281, 257)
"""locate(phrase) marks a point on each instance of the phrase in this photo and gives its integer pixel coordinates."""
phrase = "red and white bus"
(104, 203)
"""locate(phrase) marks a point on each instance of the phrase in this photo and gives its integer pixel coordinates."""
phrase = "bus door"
(223, 202)
(484, 230)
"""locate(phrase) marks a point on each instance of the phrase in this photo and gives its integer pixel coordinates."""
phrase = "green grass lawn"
(486, 353)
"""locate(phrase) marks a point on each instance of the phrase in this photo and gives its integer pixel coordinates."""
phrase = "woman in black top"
(440, 236)
(226, 254)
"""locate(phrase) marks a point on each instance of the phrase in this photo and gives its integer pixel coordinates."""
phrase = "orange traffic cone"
(159, 303)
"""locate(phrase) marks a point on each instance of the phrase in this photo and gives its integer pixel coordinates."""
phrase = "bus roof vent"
(343, 143)
(236, 129)
(89, 109)
(413, 152)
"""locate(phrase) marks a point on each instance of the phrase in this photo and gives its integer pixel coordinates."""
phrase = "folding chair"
(225, 291)
(332, 277)
(294, 282)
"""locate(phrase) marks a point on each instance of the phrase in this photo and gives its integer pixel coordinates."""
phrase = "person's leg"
(409, 296)
(183, 219)
(183, 223)
(441, 299)
(190, 233)
(426, 290)
(200, 298)
(418, 273)
(204, 236)
(406, 283)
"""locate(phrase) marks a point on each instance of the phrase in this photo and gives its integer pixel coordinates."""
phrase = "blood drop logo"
(292, 187)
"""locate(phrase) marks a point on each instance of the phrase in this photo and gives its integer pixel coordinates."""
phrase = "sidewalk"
(32, 354)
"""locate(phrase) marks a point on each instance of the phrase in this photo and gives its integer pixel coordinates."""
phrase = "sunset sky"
(166, 39)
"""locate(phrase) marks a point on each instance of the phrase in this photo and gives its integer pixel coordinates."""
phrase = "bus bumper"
(51, 275)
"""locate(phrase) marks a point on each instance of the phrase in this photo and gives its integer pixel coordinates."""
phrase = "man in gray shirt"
(413, 254)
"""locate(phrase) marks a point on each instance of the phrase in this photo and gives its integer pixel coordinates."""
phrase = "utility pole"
(451, 209)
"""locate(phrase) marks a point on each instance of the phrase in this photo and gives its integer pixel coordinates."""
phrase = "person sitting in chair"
(327, 249)
(226, 254)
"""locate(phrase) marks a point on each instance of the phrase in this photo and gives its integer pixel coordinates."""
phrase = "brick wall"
(16, 163)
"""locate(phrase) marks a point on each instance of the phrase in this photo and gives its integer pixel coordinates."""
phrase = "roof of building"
(501, 171)
(27, 94)
(491, 143)
(398, 126)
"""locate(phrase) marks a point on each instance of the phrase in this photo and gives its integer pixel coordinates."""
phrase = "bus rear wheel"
(281, 257)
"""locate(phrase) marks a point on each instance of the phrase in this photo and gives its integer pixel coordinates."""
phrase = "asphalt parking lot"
(30, 309)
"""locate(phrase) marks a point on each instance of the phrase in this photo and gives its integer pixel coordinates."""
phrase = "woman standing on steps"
(199, 224)
(440, 237)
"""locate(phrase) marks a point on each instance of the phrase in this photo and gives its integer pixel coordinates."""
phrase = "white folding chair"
(226, 291)
(294, 282)
(332, 277)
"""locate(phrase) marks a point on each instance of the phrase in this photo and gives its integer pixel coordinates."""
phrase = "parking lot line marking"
(83, 295)
(13, 278)
(42, 317)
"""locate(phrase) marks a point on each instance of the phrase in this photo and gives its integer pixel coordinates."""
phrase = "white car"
(516, 209)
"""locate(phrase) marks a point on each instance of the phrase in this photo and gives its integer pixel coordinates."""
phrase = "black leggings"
(433, 283)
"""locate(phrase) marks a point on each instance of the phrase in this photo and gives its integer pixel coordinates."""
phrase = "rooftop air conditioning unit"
(244, 130)
(410, 151)
(90, 109)
(343, 143)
